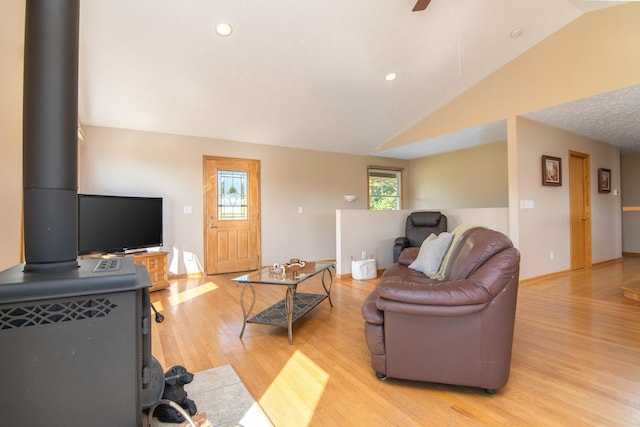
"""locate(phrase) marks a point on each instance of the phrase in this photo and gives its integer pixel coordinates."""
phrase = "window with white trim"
(385, 188)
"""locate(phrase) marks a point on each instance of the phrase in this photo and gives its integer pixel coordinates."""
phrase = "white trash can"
(364, 269)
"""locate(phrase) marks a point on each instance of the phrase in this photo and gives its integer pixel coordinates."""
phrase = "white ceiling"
(613, 117)
(311, 74)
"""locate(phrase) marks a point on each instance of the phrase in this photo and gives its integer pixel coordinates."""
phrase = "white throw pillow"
(432, 253)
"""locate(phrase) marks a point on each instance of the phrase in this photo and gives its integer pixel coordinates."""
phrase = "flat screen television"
(118, 224)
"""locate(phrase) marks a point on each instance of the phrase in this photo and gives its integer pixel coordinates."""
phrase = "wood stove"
(73, 346)
(75, 343)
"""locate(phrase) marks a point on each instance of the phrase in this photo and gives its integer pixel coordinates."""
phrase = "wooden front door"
(231, 214)
(580, 210)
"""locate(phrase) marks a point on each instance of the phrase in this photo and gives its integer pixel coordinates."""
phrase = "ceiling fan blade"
(421, 5)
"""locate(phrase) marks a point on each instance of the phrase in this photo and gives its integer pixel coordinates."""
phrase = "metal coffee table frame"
(294, 305)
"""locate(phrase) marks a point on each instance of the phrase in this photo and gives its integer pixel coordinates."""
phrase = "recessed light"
(223, 29)
(517, 32)
(390, 77)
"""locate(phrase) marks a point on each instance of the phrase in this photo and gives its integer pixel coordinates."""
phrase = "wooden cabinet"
(156, 264)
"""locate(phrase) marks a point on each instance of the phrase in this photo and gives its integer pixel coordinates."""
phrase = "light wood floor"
(576, 355)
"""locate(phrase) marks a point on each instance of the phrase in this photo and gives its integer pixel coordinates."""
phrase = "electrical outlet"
(551, 255)
(364, 254)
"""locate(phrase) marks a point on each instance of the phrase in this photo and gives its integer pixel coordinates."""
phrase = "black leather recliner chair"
(419, 226)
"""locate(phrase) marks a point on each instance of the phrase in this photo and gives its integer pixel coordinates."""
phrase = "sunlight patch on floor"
(192, 293)
(296, 391)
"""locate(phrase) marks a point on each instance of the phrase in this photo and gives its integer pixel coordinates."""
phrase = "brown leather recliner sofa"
(457, 330)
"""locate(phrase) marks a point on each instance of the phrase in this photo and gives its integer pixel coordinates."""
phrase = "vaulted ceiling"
(298, 73)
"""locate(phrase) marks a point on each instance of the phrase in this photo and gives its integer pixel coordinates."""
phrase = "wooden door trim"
(205, 189)
(586, 179)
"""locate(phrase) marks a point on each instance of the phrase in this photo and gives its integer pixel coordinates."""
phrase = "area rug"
(220, 394)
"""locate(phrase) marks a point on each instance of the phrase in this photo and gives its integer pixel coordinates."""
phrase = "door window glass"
(232, 195)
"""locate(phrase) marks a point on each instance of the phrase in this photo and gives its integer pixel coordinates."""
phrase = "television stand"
(155, 263)
(133, 252)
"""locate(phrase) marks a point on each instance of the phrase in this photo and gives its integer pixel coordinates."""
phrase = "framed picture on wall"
(604, 180)
(551, 171)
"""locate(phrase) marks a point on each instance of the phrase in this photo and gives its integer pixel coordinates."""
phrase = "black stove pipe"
(50, 120)
(62, 321)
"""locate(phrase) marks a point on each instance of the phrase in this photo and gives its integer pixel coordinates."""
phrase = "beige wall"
(630, 166)
(545, 228)
(125, 162)
(471, 178)
(465, 179)
(12, 54)
(117, 161)
(592, 55)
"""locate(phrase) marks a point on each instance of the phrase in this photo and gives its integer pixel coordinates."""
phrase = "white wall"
(373, 232)
(376, 231)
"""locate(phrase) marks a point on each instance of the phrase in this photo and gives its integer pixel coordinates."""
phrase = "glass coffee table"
(295, 304)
